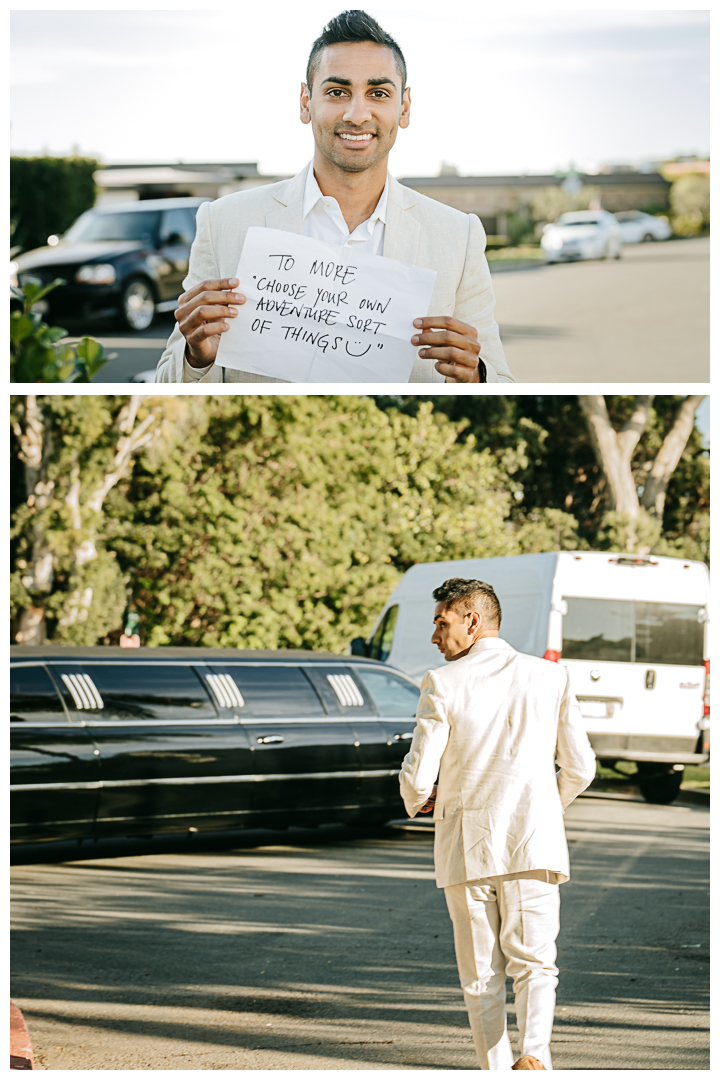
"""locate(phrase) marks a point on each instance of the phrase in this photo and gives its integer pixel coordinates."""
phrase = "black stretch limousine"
(109, 741)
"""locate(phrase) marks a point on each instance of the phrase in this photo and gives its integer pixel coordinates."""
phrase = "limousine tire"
(658, 784)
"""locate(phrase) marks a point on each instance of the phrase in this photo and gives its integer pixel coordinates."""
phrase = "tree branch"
(666, 461)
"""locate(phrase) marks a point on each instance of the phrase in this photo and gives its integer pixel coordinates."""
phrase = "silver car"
(638, 228)
(582, 234)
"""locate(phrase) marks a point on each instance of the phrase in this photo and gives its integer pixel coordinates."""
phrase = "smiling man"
(355, 98)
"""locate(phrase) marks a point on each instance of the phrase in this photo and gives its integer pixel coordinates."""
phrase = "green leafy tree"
(286, 521)
(69, 452)
(47, 194)
(37, 353)
(690, 204)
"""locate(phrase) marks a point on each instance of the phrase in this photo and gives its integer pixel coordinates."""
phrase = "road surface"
(644, 317)
(332, 949)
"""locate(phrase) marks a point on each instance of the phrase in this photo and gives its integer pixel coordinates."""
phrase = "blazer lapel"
(287, 214)
(402, 231)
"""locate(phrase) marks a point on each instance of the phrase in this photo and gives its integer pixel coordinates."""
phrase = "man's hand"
(454, 345)
(429, 806)
(201, 315)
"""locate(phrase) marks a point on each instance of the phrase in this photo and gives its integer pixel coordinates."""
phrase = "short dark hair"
(354, 25)
(469, 594)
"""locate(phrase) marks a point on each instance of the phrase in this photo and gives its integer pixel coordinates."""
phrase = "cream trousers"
(507, 926)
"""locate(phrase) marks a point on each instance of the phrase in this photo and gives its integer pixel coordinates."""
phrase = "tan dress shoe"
(527, 1061)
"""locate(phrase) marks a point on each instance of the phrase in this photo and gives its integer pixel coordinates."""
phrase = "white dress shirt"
(323, 220)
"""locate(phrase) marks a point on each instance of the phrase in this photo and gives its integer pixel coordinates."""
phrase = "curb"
(21, 1054)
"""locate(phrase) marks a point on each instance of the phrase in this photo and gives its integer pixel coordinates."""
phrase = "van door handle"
(271, 738)
(403, 735)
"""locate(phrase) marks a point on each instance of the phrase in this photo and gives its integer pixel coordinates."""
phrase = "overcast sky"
(512, 92)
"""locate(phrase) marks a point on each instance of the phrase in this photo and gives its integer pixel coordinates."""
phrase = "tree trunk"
(614, 449)
(664, 465)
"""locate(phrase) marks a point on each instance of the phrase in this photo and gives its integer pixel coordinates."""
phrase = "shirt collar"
(313, 194)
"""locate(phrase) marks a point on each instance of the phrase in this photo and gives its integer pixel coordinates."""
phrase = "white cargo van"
(632, 632)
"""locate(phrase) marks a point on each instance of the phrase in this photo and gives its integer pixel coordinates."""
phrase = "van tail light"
(706, 695)
(552, 654)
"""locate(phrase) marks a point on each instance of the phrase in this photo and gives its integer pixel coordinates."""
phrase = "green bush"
(36, 352)
(47, 194)
(690, 202)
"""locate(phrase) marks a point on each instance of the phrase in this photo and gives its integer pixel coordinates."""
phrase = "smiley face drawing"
(359, 345)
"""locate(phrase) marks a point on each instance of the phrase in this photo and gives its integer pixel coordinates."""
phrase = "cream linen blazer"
(493, 723)
(418, 230)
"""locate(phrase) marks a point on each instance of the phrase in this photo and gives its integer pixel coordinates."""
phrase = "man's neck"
(480, 636)
(357, 193)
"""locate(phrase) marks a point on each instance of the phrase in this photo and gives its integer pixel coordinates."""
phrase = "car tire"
(647, 238)
(137, 305)
(657, 783)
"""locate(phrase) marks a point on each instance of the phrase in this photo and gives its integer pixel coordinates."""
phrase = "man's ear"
(404, 120)
(305, 103)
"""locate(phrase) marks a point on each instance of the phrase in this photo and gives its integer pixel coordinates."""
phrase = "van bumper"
(662, 748)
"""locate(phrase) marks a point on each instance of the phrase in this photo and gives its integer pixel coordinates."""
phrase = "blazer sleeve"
(422, 762)
(475, 304)
(573, 752)
(172, 367)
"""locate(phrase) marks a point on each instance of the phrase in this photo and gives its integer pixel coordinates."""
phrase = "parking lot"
(332, 949)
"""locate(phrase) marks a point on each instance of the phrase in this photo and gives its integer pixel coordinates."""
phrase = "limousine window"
(151, 692)
(276, 692)
(33, 696)
(392, 695)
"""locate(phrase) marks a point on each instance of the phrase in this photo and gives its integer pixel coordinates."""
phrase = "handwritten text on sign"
(320, 313)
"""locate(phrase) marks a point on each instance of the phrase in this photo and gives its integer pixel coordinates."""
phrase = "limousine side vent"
(226, 691)
(83, 691)
(345, 690)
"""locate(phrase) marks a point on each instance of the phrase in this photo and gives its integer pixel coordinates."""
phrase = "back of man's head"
(468, 594)
(353, 26)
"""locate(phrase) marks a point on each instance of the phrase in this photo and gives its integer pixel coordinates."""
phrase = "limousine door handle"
(271, 738)
(404, 735)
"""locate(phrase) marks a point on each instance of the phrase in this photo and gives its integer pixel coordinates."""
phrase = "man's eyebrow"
(379, 80)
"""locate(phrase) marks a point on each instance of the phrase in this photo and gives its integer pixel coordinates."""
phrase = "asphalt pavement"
(332, 949)
(644, 317)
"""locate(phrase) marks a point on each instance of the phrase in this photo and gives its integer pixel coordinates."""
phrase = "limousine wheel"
(658, 784)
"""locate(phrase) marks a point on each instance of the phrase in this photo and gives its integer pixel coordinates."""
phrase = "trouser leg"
(481, 967)
(529, 925)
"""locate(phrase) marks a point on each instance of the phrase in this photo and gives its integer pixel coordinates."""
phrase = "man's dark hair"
(351, 26)
(468, 594)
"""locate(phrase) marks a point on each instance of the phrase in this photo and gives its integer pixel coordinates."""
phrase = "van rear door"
(637, 670)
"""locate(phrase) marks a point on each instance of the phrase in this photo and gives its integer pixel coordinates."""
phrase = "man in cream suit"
(493, 723)
(356, 99)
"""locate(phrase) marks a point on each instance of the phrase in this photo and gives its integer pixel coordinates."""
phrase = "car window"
(598, 629)
(276, 691)
(586, 221)
(33, 696)
(393, 695)
(150, 692)
(668, 634)
(177, 224)
(141, 225)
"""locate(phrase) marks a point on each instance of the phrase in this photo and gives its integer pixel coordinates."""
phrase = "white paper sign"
(320, 313)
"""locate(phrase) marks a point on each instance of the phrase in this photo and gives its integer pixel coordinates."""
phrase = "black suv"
(126, 260)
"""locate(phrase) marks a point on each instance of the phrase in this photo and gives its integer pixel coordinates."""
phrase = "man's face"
(453, 632)
(357, 104)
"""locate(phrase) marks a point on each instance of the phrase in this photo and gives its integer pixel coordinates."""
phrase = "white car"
(582, 234)
(637, 227)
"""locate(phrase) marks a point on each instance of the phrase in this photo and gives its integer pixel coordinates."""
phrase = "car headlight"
(13, 274)
(96, 274)
(552, 242)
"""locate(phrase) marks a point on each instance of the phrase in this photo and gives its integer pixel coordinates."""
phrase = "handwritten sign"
(320, 313)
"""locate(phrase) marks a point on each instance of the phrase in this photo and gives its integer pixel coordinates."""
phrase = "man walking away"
(493, 723)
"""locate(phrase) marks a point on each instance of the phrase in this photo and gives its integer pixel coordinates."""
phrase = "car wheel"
(658, 784)
(137, 307)
(647, 238)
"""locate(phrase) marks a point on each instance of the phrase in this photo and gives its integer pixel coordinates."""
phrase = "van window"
(382, 639)
(33, 696)
(632, 631)
(151, 692)
(668, 634)
(276, 691)
(393, 695)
